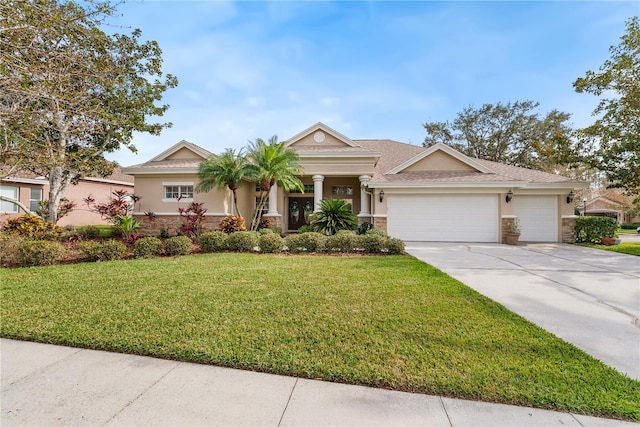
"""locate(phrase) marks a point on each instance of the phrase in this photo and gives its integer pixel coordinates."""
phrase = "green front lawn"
(389, 322)
(629, 248)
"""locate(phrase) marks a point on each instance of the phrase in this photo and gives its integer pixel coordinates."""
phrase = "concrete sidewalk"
(54, 385)
(588, 297)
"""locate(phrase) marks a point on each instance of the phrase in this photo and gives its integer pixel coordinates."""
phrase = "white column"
(364, 197)
(317, 191)
(273, 200)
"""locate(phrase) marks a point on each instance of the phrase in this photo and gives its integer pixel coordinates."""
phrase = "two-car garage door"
(443, 217)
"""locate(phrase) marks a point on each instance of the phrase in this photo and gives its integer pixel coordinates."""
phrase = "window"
(34, 199)
(308, 189)
(173, 192)
(11, 192)
(342, 191)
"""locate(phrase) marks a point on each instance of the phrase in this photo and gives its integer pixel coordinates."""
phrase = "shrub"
(305, 242)
(193, 216)
(377, 232)
(147, 247)
(265, 231)
(271, 243)
(103, 251)
(589, 229)
(305, 229)
(393, 246)
(630, 225)
(373, 243)
(178, 245)
(231, 224)
(334, 215)
(9, 245)
(242, 241)
(88, 232)
(343, 241)
(265, 222)
(38, 252)
(213, 241)
(34, 227)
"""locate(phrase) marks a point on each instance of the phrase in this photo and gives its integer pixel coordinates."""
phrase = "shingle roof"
(162, 164)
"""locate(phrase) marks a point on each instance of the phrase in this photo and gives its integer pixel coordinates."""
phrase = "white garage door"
(538, 217)
(443, 218)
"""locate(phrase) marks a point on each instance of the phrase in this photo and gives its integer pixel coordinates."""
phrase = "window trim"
(31, 200)
(179, 185)
(16, 198)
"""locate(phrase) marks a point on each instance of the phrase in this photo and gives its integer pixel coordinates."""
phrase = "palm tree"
(334, 215)
(226, 170)
(272, 162)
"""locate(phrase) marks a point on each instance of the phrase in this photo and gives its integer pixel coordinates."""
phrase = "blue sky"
(368, 69)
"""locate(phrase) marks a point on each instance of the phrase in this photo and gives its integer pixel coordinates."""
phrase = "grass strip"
(629, 248)
(391, 322)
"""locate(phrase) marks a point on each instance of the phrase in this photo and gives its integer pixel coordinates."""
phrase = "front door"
(299, 210)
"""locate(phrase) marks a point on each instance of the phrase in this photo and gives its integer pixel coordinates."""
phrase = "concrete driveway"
(588, 297)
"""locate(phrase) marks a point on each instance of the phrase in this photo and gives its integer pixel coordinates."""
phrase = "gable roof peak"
(319, 126)
(196, 149)
(446, 149)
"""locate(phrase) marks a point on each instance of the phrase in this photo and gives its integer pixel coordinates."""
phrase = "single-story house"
(411, 192)
(30, 190)
(606, 202)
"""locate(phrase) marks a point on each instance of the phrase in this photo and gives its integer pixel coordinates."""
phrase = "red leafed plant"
(193, 217)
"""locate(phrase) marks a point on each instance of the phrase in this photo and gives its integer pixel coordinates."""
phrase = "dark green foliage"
(147, 247)
(88, 232)
(334, 215)
(342, 241)
(231, 224)
(242, 241)
(589, 229)
(178, 245)
(271, 243)
(305, 242)
(305, 229)
(39, 252)
(630, 225)
(213, 241)
(103, 251)
(34, 227)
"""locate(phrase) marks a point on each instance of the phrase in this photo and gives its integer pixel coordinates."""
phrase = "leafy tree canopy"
(69, 92)
(616, 131)
(511, 133)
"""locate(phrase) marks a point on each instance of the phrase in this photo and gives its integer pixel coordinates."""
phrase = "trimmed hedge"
(32, 253)
(178, 245)
(589, 229)
(213, 241)
(242, 241)
(305, 242)
(270, 242)
(147, 247)
(630, 225)
(342, 241)
(9, 245)
(108, 250)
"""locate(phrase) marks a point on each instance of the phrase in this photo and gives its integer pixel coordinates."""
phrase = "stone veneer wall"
(380, 224)
(506, 224)
(173, 224)
(569, 230)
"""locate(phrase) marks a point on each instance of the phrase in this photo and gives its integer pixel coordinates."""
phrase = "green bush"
(342, 241)
(103, 251)
(9, 245)
(39, 252)
(630, 225)
(373, 243)
(34, 227)
(305, 242)
(88, 231)
(334, 215)
(589, 229)
(147, 247)
(213, 241)
(271, 243)
(305, 229)
(265, 231)
(393, 246)
(242, 241)
(178, 245)
(377, 232)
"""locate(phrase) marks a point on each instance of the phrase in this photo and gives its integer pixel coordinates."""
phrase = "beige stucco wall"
(329, 140)
(183, 153)
(439, 161)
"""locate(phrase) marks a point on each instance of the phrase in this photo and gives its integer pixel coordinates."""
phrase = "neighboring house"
(30, 190)
(412, 192)
(607, 202)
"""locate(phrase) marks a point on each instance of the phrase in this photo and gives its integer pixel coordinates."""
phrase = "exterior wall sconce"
(509, 196)
(381, 195)
(570, 197)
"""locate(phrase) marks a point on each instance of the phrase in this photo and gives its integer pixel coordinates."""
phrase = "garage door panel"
(445, 218)
(538, 217)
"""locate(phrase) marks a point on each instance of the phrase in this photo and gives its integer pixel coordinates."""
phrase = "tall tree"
(272, 163)
(616, 131)
(69, 92)
(512, 133)
(224, 171)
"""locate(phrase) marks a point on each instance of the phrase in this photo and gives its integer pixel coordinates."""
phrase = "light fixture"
(381, 195)
(509, 196)
(570, 197)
